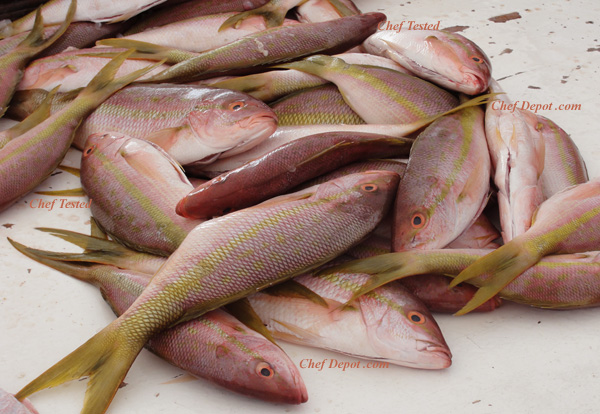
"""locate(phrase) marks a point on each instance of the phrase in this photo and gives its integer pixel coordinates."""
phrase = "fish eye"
(236, 106)
(418, 220)
(264, 370)
(369, 188)
(416, 317)
(476, 59)
(89, 150)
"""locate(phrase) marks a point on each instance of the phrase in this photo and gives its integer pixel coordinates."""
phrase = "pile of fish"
(323, 158)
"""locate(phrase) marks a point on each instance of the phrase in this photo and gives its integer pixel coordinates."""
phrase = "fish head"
(466, 66)
(231, 122)
(421, 219)
(446, 59)
(402, 330)
(258, 367)
(367, 196)
(103, 143)
(142, 157)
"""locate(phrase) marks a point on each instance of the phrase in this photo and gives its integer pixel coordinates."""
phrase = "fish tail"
(96, 230)
(100, 250)
(40, 114)
(105, 358)
(253, 85)
(80, 271)
(104, 83)
(315, 65)
(144, 50)
(497, 270)
(86, 242)
(34, 42)
(385, 268)
(274, 16)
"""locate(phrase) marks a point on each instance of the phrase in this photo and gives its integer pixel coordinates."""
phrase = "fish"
(196, 124)
(388, 324)
(378, 95)
(14, 61)
(10, 405)
(432, 289)
(25, 102)
(561, 281)
(78, 35)
(275, 84)
(200, 125)
(200, 34)
(46, 144)
(320, 105)
(447, 59)
(99, 11)
(41, 113)
(283, 169)
(446, 183)
(480, 235)
(73, 69)
(285, 134)
(258, 50)
(223, 260)
(97, 249)
(161, 16)
(215, 346)
(435, 293)
(567, 222)
(563, 164)
(118, 170)
(517, 154)
(395, 165)
(273, 13)
(313, 11)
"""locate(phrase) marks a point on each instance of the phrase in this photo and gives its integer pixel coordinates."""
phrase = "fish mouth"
(253, 120)
(442, 352)
(475, 81)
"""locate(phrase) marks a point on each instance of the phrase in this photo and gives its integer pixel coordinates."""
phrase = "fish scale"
(376, 326)
(562, 281)
(379, 95)
(271, 46)
(320, 105)
(190, 9)
(446, 182)
(46, 144)
(193, 113)
(328, 218)
(135, 206)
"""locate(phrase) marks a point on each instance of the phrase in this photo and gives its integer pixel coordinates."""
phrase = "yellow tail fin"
(501, 267)
(105, 358)
(34, 42)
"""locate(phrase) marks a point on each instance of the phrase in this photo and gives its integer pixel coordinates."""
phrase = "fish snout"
(265, 117)
(439, 354)
(474, 82)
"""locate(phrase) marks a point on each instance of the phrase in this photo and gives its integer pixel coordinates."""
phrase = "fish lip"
(251, 120)
(433, 347)
(476, 81)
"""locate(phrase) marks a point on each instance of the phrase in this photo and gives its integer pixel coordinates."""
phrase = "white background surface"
(515, 359)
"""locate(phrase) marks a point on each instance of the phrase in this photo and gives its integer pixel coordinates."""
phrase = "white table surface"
(515, 359)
